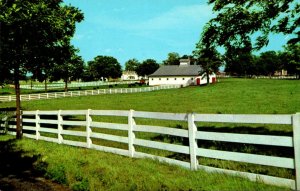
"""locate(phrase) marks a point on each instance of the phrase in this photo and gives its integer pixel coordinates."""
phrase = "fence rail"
(73, 85)
(34, 125)
(260, 77)
(28, 97)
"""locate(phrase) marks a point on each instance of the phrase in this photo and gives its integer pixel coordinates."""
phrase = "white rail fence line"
(74, 84)
(35, 125)
(28, 97)
(261, 77)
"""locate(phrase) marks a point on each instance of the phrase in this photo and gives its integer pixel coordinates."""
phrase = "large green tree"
(173, 59)
(132, 65)
(104, 67)
(209, 59)
(268, 62)
(72, 68)
(237, 22)
(147, 67)
(34, 32)
(290, 58)
(240, 64)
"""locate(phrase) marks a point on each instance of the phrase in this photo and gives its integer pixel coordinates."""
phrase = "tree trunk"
(66, 85)
(207, 78)
(46, 88)
(18, 104)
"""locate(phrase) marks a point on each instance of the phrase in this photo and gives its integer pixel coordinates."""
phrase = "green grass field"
(83, 169)
(229, 96)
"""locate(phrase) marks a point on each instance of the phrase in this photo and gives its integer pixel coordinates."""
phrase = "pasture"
(229, 96)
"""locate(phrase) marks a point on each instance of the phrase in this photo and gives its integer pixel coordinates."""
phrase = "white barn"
(183, 74)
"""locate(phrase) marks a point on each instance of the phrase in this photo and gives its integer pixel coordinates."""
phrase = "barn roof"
(177, 70)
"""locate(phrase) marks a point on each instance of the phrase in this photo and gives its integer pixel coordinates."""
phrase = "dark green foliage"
(173, 59)
(237, 21)
(290, 58)
(82, 185)
(132, 65)
(34, 36)
(148, 67)
(208, 58)
(57, 173)
(104, 67)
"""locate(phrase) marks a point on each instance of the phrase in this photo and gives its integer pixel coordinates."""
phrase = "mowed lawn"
(83, 169)
(229, 96)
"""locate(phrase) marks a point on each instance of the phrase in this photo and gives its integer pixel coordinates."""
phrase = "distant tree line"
(266, 63)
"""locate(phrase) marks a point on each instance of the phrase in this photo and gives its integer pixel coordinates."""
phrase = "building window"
(152, 79)
(159, 79)
(167, 78)
(182, 78)
(192, 78)
(174, 78)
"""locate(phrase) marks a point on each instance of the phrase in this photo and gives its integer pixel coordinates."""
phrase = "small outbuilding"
(130, 75)
(183, 74)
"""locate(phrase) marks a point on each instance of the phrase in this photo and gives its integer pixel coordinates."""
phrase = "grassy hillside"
(228, 96)
(81, 168)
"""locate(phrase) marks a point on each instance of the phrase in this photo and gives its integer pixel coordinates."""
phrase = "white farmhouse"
(183, 74)
(129, 75)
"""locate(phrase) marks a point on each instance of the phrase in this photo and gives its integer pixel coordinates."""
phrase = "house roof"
(175, 70)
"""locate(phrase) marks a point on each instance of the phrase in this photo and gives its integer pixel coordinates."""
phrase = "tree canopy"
(104, 67)
(34, 33)
(147, 67)
(209, 59)
(132, 65)
(238, 21)
(173, 59)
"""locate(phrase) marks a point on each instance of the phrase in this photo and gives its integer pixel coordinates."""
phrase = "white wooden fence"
(28, 97)
(34, 125)
(262, 77)
(72, 85)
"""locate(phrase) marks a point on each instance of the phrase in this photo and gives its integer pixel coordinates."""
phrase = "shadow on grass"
(20, 170)
(279, 151)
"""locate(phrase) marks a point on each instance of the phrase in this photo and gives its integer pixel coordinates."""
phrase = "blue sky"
(143, 29)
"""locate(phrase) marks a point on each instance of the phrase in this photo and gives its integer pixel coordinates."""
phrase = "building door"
(213, 79)
(198, 81)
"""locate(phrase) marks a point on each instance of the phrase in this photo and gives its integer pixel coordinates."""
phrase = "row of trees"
(235, 26)
(247, 64)
(144, 68)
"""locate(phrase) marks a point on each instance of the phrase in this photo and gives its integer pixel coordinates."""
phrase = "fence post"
(6, 124)
(131, 136)
(59, 126)
(88, 129)
(296, 140)
(192, 128)
(37, 125)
